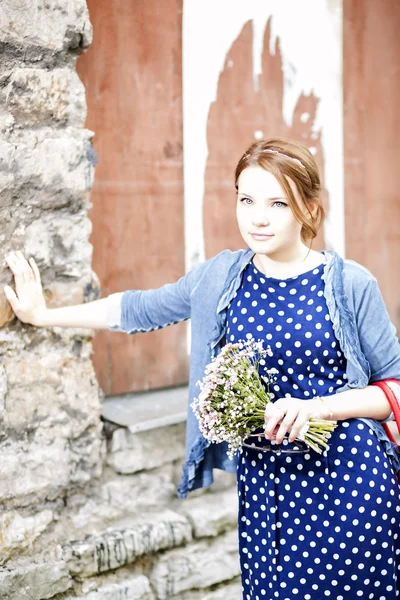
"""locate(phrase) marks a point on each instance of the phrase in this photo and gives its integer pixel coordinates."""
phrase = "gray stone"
(53, 26)
(32, 469)
(90, 511)
(52, 392)
(61, 242)
(46, 159)
(232, 591)
(3, 390)
(115, 548)
(119, 498)
(212, 514)
(18, 532)
(31, 581)
(37, 95)
(32, 472)
(137, 588)
(132, 452)
(149, 410)
(152, 489)
(198, 566)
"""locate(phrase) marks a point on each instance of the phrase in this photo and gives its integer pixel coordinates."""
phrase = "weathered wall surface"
(125, 535)
(80, 516)
(50, 430)
(371, 131)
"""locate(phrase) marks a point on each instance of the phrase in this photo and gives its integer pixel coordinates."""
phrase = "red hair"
(289, 161)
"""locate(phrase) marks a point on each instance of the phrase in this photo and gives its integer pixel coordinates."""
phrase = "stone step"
(147, 410)
(197, 566)
(119, 546)
(136, 588)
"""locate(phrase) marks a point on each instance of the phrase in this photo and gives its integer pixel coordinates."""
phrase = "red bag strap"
(391, 397)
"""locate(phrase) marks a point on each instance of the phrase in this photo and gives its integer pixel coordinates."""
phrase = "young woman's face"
(265, 219)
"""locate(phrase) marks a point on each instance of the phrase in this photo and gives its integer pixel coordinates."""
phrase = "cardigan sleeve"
(377, 335)
(135, 311)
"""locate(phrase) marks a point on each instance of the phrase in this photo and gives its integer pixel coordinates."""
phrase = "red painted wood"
(371, 134)
(238, 112)
(133, 79)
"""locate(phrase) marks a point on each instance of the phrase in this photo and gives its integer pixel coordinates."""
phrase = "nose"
(260, 218)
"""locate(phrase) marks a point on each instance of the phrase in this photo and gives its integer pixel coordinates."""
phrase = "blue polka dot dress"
(311, 526)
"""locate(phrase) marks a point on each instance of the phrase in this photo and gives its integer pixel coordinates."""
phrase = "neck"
(288, 263)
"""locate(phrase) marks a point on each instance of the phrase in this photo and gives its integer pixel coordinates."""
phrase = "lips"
(262, 235)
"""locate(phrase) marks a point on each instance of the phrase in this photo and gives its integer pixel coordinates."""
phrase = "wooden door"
(133, 79)
(371, 134)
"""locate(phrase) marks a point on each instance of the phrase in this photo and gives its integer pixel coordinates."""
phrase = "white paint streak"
(316, 67)
(312, 62)
(304, 117)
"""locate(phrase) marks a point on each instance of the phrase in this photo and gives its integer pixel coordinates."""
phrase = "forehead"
(256, 181)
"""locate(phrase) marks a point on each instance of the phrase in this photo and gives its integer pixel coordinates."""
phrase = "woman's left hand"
(291, 414)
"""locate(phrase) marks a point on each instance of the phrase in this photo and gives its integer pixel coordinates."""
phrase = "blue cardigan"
(356, 307)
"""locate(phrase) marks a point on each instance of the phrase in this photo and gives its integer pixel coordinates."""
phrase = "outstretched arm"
(28, 302)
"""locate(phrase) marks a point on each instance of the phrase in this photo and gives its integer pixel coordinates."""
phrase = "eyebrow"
(273, 198)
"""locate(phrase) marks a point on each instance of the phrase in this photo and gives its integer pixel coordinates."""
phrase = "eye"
(247, 201)
(279, 204)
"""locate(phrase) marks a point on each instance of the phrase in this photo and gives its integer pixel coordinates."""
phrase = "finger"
(22, 271)
(35, 269)
(11, 261)
(297, 425)
(25, 267)
(269, 409)
(11, 297)
(286, 424)
(14, 264)
(272, 422)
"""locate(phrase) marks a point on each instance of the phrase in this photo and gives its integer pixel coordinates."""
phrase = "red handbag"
(387, 387)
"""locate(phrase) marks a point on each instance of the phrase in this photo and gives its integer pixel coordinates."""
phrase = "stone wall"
(82, 514)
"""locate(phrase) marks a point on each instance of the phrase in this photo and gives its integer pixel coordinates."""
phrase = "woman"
(310, 526)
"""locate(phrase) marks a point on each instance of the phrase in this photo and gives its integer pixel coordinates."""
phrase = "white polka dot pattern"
(311, 526)
(295, 322)
(320, 526)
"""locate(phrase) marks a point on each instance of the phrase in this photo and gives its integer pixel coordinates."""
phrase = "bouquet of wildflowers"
(233, 397)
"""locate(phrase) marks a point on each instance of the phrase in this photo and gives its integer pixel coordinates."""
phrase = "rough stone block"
(3, 390)
(137, 588)
(198, 566)
(32, 469)
(31, 472)
(6, 312)
(232, 591)
(59, 240)
(53, 26)
(212, 514)
(118, 547)
(123, 496)
(68, 293)
(37, 95)
(34, 581)
(133, 452)
(17, 532)
(52, 392)
(46, 159)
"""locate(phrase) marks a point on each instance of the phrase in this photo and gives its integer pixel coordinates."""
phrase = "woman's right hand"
(28, 301)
